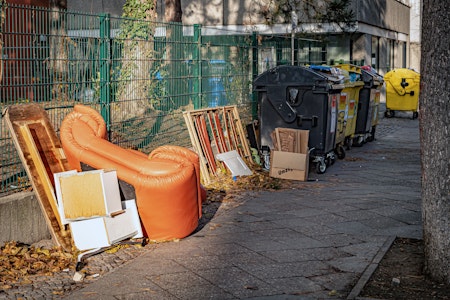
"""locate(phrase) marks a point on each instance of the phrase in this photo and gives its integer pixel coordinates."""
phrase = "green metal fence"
(139, 75)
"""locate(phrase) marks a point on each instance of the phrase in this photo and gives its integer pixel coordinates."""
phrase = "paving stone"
(352, 227)
(295, 285)
(335, 281)
(238, 282)
(286, 270)
(362, 250)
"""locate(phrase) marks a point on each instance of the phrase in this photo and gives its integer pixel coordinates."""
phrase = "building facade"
(386, 33)
(415, 34)
(380, 37)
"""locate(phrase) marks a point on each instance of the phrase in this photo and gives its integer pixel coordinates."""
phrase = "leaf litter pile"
(20, 261)
(259, 180)
(224, 187)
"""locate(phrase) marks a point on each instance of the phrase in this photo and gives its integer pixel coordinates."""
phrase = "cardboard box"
(293, 164)
(103, 231)
(83, 195)
(131, 206)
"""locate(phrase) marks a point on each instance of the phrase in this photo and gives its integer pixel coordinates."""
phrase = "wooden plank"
(208, 148)
(225, 121)
(206, 145)
(234, 134)
(242, 135)
(231, 132)
(219, 128)
(197, 147)
(41, 154)
(201, 138)
(214, 133)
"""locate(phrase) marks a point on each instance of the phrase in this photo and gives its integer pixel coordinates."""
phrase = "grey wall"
(389, 14)
(113, 7)
(362, 47)
(21, 219)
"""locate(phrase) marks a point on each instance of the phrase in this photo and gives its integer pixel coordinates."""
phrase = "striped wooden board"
(219, 130)
(42, 155)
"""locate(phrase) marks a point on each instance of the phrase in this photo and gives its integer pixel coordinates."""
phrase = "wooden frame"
(42, 155)
(218, 130)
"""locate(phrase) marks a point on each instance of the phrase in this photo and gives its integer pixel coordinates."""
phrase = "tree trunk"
(135, 78)
(434, 137)
(58, 56)
(172, 14)
(3, 7)
(172, 11)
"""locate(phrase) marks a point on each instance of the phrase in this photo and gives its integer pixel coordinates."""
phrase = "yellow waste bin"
(353, 84)
(368, 106)
(402, 91)
(342, 106)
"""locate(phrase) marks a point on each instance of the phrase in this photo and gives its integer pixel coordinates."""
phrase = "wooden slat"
(197, 148)
(242, 135)
(203, 131)
(41, 154)
(199, 133)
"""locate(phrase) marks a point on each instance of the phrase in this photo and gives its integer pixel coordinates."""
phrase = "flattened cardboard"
(290, 140)
(290, 165)
(131, 206)
(234, 163)
(103, 231)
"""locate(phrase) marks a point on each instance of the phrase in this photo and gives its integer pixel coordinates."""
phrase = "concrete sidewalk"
(319, 240)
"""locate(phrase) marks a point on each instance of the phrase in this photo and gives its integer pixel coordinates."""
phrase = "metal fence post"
(254, 74)
(197, 66)
(105, 59)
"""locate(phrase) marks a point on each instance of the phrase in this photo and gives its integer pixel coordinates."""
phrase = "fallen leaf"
(26, 281)
(332, 293)
(251, 287)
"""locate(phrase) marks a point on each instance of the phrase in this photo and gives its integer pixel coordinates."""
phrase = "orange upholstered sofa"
(166, 182)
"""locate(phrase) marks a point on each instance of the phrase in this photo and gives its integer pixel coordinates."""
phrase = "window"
(375, 53)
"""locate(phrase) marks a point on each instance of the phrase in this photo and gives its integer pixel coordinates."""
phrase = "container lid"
(354, 72)
(334, 74)
(294, 76)
(369, 74)
(403, 80)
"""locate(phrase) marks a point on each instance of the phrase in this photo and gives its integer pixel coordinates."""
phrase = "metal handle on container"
(314, 120)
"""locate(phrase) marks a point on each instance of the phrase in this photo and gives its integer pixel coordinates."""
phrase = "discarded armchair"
(166, 183)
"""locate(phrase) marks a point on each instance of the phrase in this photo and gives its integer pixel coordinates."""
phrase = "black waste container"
(300, 98)
(368, 106)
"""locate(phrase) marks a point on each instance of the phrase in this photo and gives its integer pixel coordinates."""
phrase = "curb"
(368, 272)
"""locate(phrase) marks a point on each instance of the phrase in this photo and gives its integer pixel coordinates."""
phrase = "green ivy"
(136, 9)
(136, 37)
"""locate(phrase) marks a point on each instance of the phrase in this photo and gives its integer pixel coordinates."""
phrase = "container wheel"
(330, 160)
(389, 113)
(371, 137)
(415, 115)
(333, 158)
(340, 152)
(349, 142)
(321, 167)
(358, 141)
